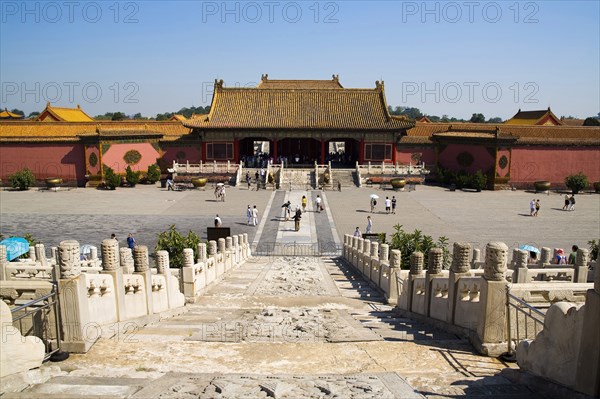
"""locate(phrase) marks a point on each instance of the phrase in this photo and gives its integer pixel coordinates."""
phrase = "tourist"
(170, 182)
(394, 204)
(254, 216)
(567, 202)
(369, 225)
(388, 205)
(318, 205)
(297, 217)
(248, 179)
(131, 241)
(572, 203)
(288, 210)
(537, 207)
(114, 237)
(249, 214)
(304, 203)
(217, 221)
(532, 208)
(573, 255)
(561, 259)
(357, 232)
(373, 204)
(257, 180)
(532, 257)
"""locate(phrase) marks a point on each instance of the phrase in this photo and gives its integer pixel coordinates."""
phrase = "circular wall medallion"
(465, 159)
(132, 157)
(93, 159)
(503, 162)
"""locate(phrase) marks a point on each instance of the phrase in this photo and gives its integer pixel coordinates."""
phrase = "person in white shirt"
(357, 232)
(254, 216)
(217, 221)
(388, 205)
(369, 225)
(249, 214)
(318, 203)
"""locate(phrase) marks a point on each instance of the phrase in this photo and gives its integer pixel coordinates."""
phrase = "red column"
(236, 151)
(394, 149)
(322, 152)
(361, 151)
(274, 152)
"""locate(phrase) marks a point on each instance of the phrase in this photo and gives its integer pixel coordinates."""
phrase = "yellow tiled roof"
(265, 83)
(255, 108)
(6, 114)
(531, 117)
(65, 114)
(526, 134)
(69, 131)
(178, 117)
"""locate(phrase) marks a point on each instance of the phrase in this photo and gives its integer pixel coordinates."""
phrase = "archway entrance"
(343, 153)
(299, 152)
(255, 151)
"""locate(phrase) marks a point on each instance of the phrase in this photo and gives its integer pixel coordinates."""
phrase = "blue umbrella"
(529, 248)
(15, 247)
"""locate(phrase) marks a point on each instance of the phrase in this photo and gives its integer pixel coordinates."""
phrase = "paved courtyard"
(92, 215)
(291, 326)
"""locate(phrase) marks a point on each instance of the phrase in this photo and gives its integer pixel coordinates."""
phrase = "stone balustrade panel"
(439, 298)
(467, 302)
(418, 295)
(101, 298)
(135, 298)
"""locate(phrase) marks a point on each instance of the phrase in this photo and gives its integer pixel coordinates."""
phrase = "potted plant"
(199, 181)
(576, 182)
(542, 185)
(397, 183)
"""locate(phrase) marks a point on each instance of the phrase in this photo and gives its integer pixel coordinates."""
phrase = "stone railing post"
(435, 265)
(491, 330)
(236, 249)
(360, 260)
(111, 265)
(373, 262)
(476, 258)
(93, 253)
(73, 299)
(141, 266)
(32, 256)
(545, 257)
(459, 268)
(247, 246)
(416, 271)
(126, 258)
(588, 362)
(221, 257)
(513, 261)
(188, 274)
(581, 266)
(520, 258)
(3, 260)
(40, 254)
(212, 248)
(395, 264)
(384, 252)
(202, 253)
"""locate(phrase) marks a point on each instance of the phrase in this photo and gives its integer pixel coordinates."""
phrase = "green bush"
(153, 174)
(408, 243)
(174, 243)
(594, 249)
(22, 179)
(111, 179)
(132, 177)
(576, 182)
(478, 180)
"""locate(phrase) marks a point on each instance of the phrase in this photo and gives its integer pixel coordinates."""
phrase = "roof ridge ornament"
(336, 78)
(379, 85)
(218, 84)
(264, 77)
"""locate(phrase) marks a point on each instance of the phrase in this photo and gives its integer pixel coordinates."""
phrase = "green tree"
(17, 111)
(591, 122)
(23, 179)
(174, 243)
(118, 116)
(153, 174)
(477, 118)
(408, 243)
(132, 177)
(495, 120)
(111, 179)
(576, 182)
(33, 114)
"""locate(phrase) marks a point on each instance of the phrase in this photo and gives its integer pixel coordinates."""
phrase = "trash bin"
(453, 187)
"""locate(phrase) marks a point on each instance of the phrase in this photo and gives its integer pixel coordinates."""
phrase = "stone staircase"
(346, 177)
(297, 179)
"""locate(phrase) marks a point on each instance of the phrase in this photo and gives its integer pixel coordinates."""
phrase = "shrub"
(22, 179)
(594, 251)
(111, 179)
(408, 243)
(478, 180)
(174, 243)
(132, 177)
(153, 174)
(576, 182)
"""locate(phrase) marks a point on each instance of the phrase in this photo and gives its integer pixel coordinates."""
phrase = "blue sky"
(453, 58)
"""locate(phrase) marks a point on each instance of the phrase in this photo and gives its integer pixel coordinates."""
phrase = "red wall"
(115, 153)
(45, 160)
(482, 159)
(404, 155)
(530, 164)
(192, 153)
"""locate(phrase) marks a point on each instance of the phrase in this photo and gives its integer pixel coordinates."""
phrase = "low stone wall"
(463, 299)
